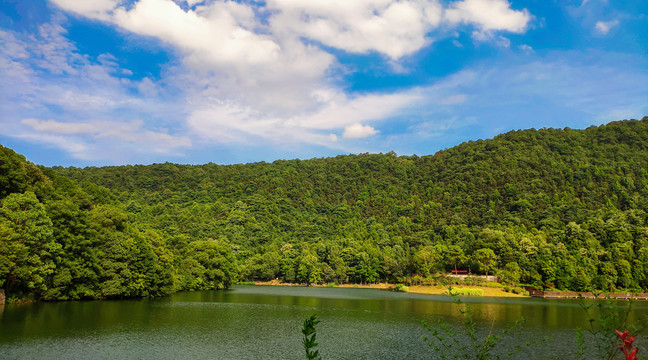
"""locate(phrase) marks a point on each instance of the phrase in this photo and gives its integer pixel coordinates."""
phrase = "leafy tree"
(27, 246)
(309, 272)
(486, 259)
(209, 264)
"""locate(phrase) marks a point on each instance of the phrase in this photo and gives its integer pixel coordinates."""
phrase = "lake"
(264, 322)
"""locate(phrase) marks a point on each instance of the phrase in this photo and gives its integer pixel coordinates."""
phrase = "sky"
(113, 82)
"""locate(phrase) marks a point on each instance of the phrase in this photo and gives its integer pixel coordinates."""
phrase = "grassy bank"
(418, 289)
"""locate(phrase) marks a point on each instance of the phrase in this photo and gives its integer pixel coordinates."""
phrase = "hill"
(557, 208)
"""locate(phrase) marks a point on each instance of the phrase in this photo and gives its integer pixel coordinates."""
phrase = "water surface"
(264, 322)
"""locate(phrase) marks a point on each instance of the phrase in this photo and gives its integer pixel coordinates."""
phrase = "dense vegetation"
(60, 240)
(565, 209)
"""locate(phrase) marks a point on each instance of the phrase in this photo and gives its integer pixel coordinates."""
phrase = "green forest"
(552, 208)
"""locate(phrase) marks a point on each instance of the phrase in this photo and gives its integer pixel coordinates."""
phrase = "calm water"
(259, 322)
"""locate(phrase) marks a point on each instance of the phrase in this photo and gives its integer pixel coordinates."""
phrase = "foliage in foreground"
(604, 318)
(310, 334)
(469, 342)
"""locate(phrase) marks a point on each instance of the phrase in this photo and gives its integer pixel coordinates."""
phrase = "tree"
(309, 271)
(27, 246)
(456, 256)
(427, 259)
(510, 274)
(486, 259)
(210, 264)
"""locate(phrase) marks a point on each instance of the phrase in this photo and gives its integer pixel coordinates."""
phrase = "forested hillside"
(563, 209)
(60, 240)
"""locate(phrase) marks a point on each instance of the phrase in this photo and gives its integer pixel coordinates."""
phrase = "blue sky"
(105, 82)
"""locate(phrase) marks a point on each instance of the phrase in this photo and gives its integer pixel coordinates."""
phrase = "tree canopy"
(557, 208)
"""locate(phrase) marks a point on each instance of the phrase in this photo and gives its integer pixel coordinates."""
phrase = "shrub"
(416, 280)
(494, 285)
(464, 292)
(400, 288)
(474, 281)
(518, 290)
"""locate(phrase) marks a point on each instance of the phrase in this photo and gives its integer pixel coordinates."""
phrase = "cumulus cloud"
(394, 28)
(215, 34)
(340, 110)
(488, 15)
(233, 55)
(97, 9)
(357, 131)
(247, 72)
(45, 72)
(604, 27)
(228, 122)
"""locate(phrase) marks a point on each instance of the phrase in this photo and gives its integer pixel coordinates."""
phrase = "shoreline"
(591, 295)
(488, 291)
(415, 289)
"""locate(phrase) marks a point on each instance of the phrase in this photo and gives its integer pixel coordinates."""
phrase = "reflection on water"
(264, 323)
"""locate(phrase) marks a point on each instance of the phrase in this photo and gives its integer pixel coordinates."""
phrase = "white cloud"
(437, 128)
(454, 99)
(59, 128)
(228, 122)
(339, 110)
(276, 67)
(44, 76)
(75, 147)
(490, 37)
(604, 27)
(194, 2)
(587, 86)
(215, 34)
(229, 32)
(394, 28)
(247, 73)
(357, 131)
(527, 49)
(231, 54)
(57, 132)
(488, 15)
(97, 9)
(568, 88)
